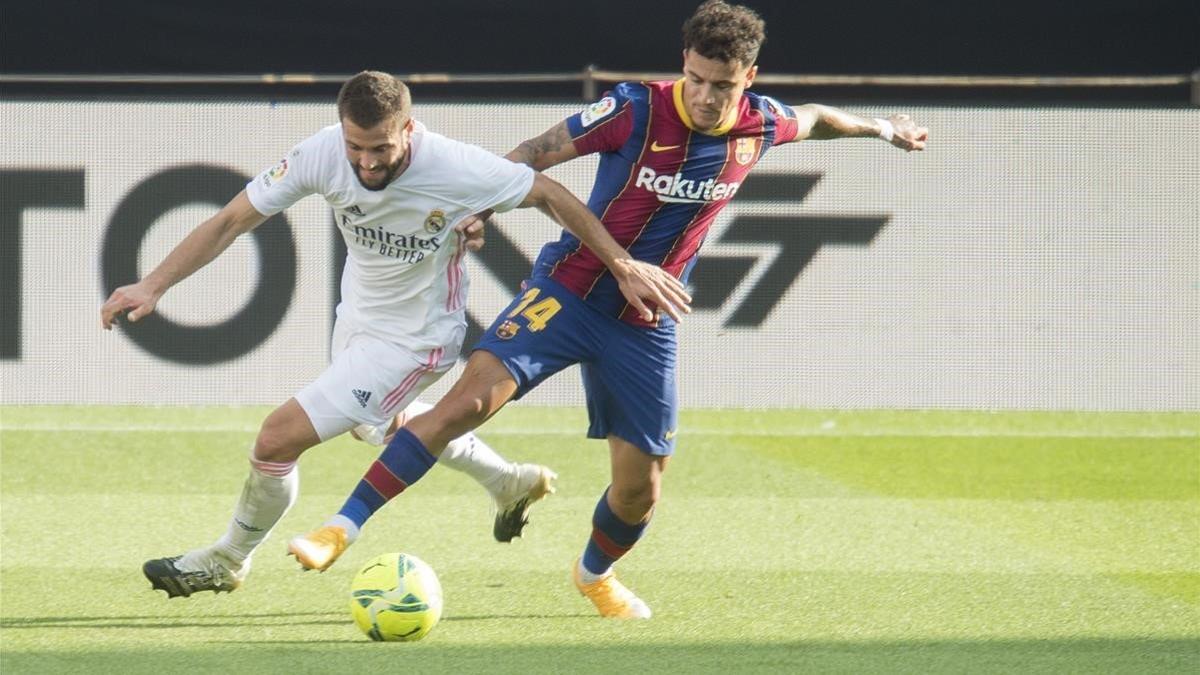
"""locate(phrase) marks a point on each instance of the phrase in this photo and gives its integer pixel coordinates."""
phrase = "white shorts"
(369, 381)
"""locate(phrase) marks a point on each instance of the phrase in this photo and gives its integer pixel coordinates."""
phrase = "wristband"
(886, 130)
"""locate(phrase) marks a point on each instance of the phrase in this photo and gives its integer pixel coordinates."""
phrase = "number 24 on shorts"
(537, 314)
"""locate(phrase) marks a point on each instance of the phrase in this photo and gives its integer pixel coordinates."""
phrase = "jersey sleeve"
(288, 181)
(501, 184)
(605, 125)
(783, 120)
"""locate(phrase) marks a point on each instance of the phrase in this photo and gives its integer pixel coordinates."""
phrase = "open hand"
(134, 301)
(644, 285)
(908, 136)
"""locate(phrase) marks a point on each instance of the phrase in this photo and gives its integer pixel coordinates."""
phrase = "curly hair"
(718, 30)
(371, 97)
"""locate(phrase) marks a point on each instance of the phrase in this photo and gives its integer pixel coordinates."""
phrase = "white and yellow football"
(396, 597)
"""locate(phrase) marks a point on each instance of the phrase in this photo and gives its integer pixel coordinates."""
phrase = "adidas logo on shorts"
(361, 396)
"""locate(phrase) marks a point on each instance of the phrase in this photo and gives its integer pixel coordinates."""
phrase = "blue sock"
(401, 464)
(611, 538)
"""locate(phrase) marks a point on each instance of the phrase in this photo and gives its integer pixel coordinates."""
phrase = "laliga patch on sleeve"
(275, 174)
(598, 110)
(777, 108)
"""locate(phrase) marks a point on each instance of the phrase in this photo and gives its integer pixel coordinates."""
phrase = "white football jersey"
(405, 280)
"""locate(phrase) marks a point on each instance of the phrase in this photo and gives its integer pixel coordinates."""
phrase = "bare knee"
(636, 480)
(633, 502)
(272, 445)
(284, 435)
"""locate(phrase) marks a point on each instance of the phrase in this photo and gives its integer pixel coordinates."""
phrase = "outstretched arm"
(641, 283)
(196, 250)
(551, 148)
(821, 122)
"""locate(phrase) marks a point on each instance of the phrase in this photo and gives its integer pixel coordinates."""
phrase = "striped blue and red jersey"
(660, 182)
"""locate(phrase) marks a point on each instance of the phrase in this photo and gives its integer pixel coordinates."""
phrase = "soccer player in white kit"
(399, 193)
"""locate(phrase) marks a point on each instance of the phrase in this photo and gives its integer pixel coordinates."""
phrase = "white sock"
(338, 520)
(477, 459)
(589, 577)
(470, 455)
(268, 493)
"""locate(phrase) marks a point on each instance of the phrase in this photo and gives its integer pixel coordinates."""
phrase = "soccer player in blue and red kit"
(672, 155)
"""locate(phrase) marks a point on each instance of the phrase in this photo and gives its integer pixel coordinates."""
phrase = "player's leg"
(618, 522)
(484, 387)
(269, 491)
(625, 508)
(274, 480)
(533, 349)
(516, 354)
(632, 403)
(399, 376)
(513, 486)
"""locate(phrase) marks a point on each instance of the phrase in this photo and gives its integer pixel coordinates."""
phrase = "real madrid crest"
(436, 221)
(744, 151)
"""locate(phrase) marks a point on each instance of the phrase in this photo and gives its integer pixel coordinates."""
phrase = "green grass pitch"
(786, 541)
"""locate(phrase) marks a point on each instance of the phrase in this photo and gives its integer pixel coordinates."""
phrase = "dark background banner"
(1109, 37)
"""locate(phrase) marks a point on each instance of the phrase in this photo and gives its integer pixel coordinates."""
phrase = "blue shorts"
(628, 372)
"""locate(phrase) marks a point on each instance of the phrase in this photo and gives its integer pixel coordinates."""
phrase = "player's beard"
(386, 180)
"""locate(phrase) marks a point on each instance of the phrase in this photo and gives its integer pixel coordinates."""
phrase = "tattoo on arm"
(826, 122)
(546, 150)
(835, 123)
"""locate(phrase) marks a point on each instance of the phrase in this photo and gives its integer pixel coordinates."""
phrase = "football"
(396, 597)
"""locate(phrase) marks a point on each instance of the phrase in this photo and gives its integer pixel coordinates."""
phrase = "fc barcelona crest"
(507, 330)
(436, 221)
(745, 150)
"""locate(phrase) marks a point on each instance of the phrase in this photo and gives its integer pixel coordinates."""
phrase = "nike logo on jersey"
(655, 147)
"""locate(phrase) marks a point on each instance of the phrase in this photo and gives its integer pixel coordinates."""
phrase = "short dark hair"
(371, 97)
(718, 30)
